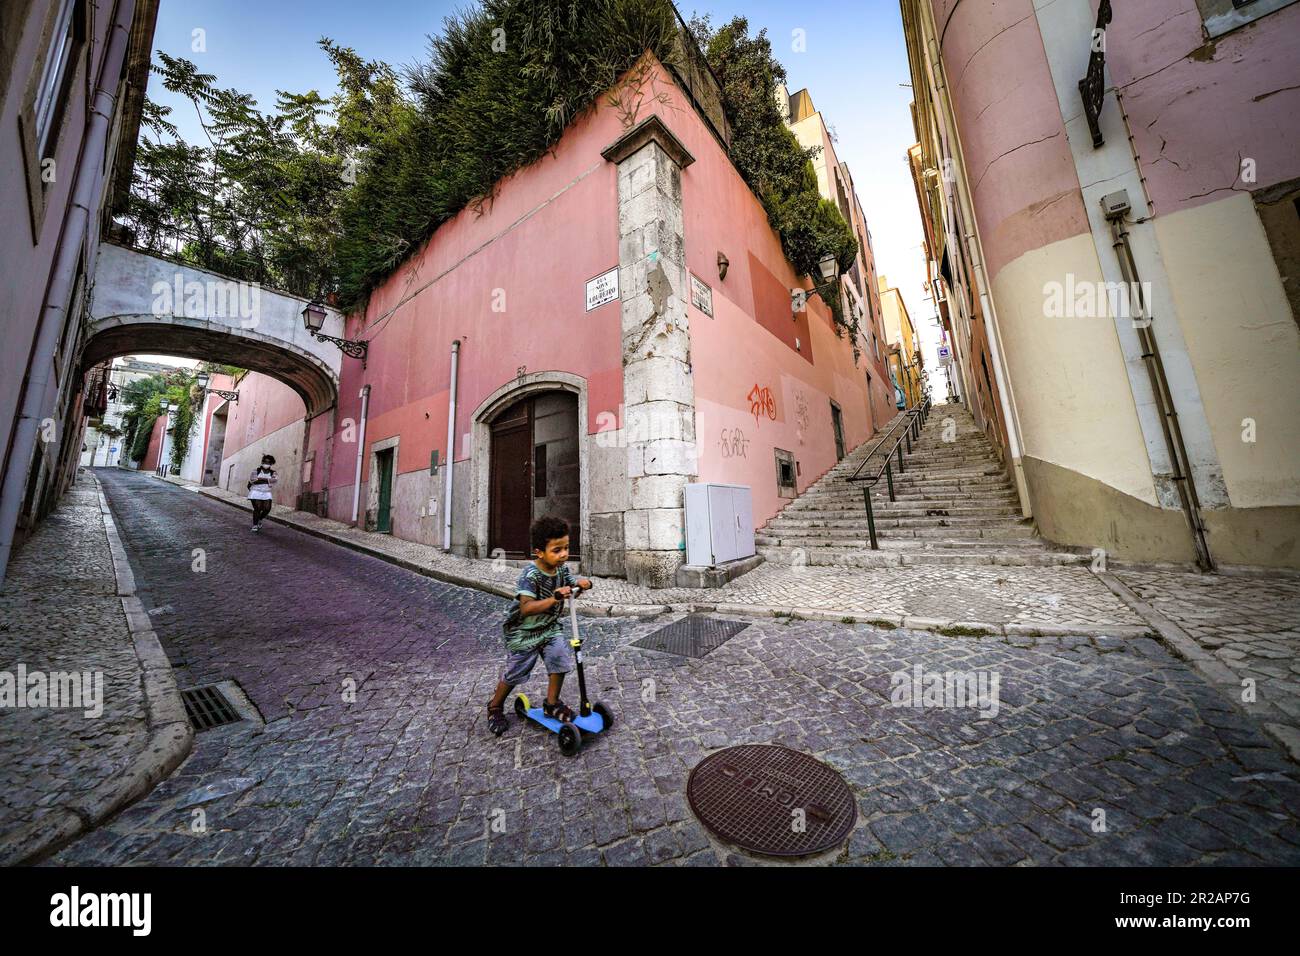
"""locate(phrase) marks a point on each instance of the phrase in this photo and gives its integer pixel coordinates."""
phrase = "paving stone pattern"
(1250, 623)
(408, 773)
(59, 611)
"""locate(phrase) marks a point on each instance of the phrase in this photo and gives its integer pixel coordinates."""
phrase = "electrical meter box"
(719, 523)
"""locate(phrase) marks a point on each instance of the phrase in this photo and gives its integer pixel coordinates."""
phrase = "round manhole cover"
(772, 800)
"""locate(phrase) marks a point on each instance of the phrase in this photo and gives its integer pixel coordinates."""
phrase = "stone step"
(899, 519)
(920, 493)
(853, 522)
(885, 509)
(930, 488)
(842, 482)
(889, 556)
(979, 523)
(858, 537)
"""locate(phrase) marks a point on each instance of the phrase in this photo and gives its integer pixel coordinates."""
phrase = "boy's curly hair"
(545, 530)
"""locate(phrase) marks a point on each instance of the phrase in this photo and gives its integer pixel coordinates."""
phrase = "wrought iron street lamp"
(313, 318)
(203, 378)
(829, 267)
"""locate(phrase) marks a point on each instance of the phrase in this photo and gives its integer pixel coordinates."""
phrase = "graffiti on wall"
(733, 443)
(762, 402)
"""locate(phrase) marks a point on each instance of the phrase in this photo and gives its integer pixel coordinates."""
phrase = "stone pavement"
(64, 768)
(371, 681)
(1230, 612)
(998, 599)
(1249, 624)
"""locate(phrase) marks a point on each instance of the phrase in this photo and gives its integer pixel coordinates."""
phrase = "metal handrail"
(914, 418)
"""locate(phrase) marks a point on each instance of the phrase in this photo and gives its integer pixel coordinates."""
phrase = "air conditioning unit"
(719, 523)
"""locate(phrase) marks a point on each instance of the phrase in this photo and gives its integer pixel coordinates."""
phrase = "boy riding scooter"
(533, 630)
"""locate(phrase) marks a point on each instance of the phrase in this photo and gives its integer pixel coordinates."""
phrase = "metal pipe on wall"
(85, 192)
(361, 450)
(451, 447)
(1173, 434)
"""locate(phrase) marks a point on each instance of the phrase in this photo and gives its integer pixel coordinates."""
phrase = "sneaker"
(257, 527)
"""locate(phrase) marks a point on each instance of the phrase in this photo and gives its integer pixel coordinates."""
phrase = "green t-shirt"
(523, 633)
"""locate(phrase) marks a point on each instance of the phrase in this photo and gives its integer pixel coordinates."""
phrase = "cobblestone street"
(1099, 749)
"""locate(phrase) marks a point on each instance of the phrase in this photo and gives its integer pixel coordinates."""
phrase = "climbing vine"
(144, 398)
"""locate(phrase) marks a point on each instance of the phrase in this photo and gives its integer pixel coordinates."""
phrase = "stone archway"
(531, 384)
(314, 381)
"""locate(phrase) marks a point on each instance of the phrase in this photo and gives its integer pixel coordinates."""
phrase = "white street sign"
(602, 289)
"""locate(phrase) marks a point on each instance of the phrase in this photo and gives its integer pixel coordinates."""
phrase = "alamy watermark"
(24, 689)
(920, 688)
(209, 299)
(1075, 299)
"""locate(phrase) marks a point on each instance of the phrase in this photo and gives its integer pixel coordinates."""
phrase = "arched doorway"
(534, 470)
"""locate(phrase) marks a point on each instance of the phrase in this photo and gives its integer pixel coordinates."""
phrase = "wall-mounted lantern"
(203, 378)
(829, 267)
(313, 318)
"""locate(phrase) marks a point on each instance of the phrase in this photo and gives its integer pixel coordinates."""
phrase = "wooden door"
(511, 480)
(837, 422)
(384, 511)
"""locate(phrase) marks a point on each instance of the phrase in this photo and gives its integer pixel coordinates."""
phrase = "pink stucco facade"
(1172, 79)
(509, 283)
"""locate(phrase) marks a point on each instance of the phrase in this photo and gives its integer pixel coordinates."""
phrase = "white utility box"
(719, 524)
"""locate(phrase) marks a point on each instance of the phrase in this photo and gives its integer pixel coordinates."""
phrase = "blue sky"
(854, 63)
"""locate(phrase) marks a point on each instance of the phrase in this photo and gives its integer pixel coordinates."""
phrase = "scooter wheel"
(521, 706)
(606, 717)
(570, 740)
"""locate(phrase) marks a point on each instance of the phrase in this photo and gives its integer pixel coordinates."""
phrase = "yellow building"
(904, 347)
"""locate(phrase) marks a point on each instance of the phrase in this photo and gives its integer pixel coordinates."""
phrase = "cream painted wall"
(1243, 343)
(1082, 416)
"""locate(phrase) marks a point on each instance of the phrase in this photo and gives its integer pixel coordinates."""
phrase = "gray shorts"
(556, 653)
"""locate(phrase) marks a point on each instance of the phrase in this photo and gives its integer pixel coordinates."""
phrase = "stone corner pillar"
(658, 387)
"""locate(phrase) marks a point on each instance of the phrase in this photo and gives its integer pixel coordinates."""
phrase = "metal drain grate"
(207, 707)
(772, 800)
(693, 636)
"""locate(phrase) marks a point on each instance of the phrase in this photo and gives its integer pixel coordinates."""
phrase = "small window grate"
(207, 708)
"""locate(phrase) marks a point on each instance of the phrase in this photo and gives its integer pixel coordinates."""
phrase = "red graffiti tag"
(761, 402)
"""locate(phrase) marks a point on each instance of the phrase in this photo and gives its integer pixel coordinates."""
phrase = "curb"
(171, 736)
(598, 609)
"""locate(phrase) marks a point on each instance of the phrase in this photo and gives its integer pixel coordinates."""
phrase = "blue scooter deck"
(591, 724)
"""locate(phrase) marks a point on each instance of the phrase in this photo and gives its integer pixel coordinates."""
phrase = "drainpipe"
(451, 447)
(1115, 210)
(86, 192)
(361, 450)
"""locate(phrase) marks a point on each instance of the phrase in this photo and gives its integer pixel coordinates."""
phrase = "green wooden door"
(383, 517)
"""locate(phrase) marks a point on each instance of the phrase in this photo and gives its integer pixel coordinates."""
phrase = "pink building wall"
(1174, 81)
(1023, 181)
(538, 249)
(151, 455)
(1026, 191)
(509, 284)
(265, 405)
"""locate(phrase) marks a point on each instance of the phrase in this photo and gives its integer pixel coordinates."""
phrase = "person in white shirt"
(260, 483)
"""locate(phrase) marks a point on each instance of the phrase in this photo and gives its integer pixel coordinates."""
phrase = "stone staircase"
(955, 505)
